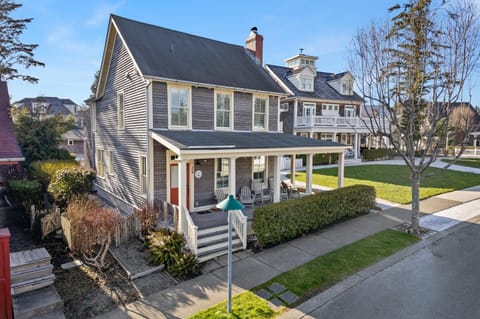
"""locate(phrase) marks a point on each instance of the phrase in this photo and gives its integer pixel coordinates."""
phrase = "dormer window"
(347, 88)
(306, 84)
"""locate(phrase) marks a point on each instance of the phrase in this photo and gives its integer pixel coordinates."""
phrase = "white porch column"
(357, 145)
(182, 191)
(232, 183)
(276, 178)
(341, 163)
(308, 186)
(293, 169)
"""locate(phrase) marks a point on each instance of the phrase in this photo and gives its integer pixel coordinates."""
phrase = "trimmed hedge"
(279, 222)
(321, 159)
(25, 192)
(44, 171)
(376, 154)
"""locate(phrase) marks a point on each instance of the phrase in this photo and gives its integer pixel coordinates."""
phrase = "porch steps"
(213, 242)
(34, 295)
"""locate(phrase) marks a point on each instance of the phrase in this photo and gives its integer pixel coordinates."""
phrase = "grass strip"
(316, 275)
(469, 162)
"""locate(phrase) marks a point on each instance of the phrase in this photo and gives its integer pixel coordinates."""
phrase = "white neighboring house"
(321, 105)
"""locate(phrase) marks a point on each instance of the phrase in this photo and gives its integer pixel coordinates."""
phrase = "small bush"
(168, 248)
(280, 222)
(70, 182)
(376, 154)
(43, 171)
(25, 193)
(149, 215)
(321, 159)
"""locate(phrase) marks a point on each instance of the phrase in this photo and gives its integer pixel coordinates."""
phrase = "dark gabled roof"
(9, 148)
(74, 134)
(322, 90)
(57, 105)
(170, 54)
(218, 140)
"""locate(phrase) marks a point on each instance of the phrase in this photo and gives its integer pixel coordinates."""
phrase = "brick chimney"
(254, 43)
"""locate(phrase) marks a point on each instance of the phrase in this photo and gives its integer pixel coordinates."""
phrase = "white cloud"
(102, 12)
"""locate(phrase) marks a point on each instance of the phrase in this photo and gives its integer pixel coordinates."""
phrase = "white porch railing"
(190, 230)
(239, 222)
(330, 121)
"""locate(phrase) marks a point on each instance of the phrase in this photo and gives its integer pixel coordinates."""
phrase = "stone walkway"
(251, 270)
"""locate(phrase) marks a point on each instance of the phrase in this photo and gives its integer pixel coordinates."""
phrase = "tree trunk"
(415, 224)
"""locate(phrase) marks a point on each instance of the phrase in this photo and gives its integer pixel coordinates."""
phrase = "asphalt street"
(441, 280)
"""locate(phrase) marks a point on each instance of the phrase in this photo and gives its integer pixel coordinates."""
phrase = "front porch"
(189, 167)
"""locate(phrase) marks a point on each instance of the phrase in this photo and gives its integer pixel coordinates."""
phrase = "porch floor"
(216, 217)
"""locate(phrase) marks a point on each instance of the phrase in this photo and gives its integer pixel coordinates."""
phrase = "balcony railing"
(331, 121)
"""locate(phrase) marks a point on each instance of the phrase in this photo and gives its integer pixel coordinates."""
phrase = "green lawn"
(470, 162)
(316, 275)
(392, 182)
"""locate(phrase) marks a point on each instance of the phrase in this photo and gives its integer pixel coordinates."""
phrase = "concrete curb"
(326, 296)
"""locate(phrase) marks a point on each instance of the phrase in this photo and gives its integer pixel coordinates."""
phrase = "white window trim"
(334, 112)
(265, 183)
(216, 91)
(189, 115)
(351, 107)
(120, 124)
(142, 192)
(70, 142)
(267, 106)
(97, 162)
(216, 170)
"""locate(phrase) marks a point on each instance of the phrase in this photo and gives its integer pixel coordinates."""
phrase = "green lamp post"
(229, 204)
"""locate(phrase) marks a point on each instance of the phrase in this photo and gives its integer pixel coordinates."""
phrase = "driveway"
(442, 280)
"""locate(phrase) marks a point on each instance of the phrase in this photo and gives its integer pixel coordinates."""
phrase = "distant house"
(46, 106)
(10, 152)
(177, 117)
(321, 105)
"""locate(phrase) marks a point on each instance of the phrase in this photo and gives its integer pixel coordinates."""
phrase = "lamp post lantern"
(229, 204)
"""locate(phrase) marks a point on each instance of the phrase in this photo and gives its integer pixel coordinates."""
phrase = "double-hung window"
(179, 98)
(259, 169)
(111, 171)
(260, 113)
(222, 171)
(121, 111)
(223, 110)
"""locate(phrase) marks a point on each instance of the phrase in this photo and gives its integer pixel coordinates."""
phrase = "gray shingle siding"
(127, 144)
(159, 105)
(204, 186)
(243, 172)
(273, 113)
(202, 108)
(287, 119)
(242, 111)
(159, 172)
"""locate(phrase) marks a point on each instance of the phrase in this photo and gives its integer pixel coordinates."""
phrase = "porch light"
(228, 204)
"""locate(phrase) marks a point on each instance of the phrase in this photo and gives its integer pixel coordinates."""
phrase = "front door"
(174, 184)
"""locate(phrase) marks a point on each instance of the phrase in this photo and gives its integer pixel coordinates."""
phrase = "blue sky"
(71, 34)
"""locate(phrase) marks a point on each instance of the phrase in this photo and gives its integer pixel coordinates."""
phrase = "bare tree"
(410, 70)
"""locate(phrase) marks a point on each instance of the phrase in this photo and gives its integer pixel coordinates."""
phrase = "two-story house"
(320, 105)
(177, 117)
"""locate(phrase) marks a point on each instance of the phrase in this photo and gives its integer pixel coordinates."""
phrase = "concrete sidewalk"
(250, 270)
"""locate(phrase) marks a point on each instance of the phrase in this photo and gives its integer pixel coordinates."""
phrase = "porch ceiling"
(188, 143)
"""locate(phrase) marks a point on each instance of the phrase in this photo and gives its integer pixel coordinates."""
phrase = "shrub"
(168, 248)
(70, 182)
(91, 228)
(43, 171)
(149, 215)
(376, 154)
(25, 193)
(321, 159)
(280, 222)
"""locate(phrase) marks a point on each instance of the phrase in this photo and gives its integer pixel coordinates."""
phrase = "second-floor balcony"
(331, 121)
